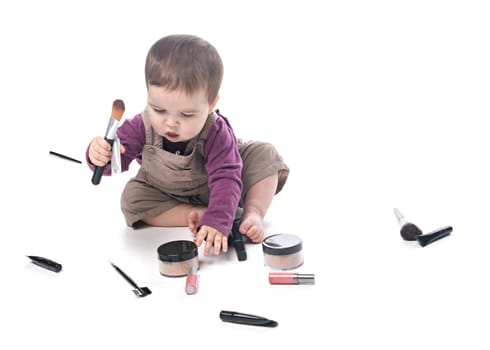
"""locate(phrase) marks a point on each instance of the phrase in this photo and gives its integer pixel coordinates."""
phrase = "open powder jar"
(176, 258)
(283, 251)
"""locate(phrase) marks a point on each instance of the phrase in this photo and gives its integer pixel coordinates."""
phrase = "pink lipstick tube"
(191, 281)
(291, 278)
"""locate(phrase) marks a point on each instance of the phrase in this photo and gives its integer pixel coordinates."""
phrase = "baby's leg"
(178, 216)
(256, 204)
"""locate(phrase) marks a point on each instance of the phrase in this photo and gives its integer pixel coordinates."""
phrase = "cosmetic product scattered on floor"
(180, 258)
(433, 236)
(408, 230)
(282, 277)
(45, 263)
(59, 155)
(246, 319)
(283, 251)
(138, 291)
(191, 281)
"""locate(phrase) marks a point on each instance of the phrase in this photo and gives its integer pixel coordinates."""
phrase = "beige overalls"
(166, 180)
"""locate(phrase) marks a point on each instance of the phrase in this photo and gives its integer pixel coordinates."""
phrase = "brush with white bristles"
(116, 115)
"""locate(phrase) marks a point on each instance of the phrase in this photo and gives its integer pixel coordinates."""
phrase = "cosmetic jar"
(283, 251)
(176, 258)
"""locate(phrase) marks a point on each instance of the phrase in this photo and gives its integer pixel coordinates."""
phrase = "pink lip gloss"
(191, 281)
(291, 278)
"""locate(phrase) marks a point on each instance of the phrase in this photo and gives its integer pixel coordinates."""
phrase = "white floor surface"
(373, 105)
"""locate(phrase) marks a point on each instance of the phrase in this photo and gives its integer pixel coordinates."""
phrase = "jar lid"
(282, 244)
(177, 251)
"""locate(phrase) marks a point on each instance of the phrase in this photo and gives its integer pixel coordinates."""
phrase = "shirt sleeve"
(131, 134)
(224, 167)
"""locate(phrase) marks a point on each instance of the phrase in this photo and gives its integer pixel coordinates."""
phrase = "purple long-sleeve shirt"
(223, 166)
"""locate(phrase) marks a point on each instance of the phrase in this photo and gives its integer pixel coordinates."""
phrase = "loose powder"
(283, 251)
(177, 257)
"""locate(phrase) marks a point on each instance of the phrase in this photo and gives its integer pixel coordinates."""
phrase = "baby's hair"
(184, 62)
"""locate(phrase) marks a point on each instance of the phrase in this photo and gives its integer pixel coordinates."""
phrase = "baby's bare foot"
(252, 226)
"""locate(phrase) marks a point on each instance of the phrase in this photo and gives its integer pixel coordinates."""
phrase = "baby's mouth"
(171, 135)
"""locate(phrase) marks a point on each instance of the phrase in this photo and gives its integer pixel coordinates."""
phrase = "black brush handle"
(99, 170)
(236, 239)
(45, 263)
(429, 238)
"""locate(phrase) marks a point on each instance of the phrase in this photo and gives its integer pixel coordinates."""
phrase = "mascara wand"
(117, 112)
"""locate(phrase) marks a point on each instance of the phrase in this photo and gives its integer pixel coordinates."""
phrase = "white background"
(373, 104)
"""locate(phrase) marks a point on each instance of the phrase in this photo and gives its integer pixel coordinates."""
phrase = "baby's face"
(175, 115)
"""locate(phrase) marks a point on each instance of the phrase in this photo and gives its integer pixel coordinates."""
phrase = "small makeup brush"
(116, 115)
(408, 230)
(140, 292)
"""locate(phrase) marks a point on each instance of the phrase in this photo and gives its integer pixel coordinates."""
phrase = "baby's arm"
(224, 168)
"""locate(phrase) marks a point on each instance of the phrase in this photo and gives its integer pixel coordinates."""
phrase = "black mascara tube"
(247, 319)
(45, 263)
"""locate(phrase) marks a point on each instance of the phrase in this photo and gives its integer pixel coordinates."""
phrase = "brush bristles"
(117, 109)
(410, 232)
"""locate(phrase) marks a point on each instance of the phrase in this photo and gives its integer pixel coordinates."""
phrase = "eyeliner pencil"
(65, 157)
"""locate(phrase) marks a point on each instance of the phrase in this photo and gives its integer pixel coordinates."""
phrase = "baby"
(194, 172)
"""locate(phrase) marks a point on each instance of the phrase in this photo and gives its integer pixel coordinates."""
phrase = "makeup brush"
(140, 292)
(408, 230)
(116, 115)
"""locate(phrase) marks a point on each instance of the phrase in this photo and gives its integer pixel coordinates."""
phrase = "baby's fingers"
(220, 243)
(200, 236)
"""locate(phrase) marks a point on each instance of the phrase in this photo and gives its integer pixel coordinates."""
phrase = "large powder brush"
(409, 231)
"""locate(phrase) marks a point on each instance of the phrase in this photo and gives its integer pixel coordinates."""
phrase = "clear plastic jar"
(176, 258)
(283, 251)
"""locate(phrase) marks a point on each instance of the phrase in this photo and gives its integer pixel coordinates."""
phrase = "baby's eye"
(187, 115)
(159, 111)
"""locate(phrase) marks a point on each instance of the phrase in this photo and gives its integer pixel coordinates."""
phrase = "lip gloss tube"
(291, 278)
(191, 281)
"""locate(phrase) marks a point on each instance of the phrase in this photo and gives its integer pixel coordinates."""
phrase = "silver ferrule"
(305, 278)
(192, 270)
(111, 129)
(401, 219)
(116, 166)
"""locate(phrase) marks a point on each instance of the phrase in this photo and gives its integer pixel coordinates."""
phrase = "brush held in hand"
(116, 115)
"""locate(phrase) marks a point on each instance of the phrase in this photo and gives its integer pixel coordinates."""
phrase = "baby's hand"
(100, 152)
(213, 237)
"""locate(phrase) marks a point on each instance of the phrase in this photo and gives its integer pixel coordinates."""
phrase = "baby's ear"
(213, 104)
